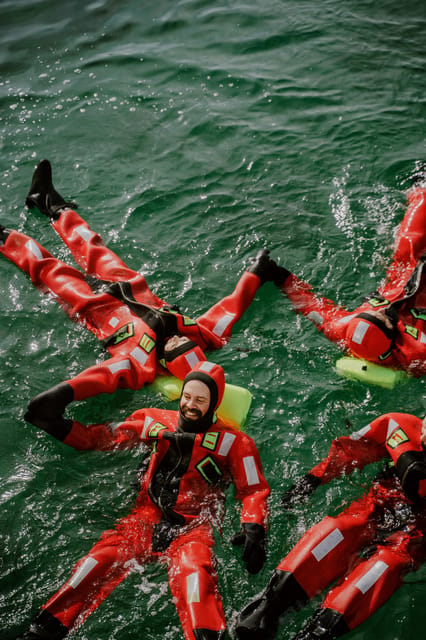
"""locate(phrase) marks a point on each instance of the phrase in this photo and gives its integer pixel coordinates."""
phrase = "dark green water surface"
(192, 133)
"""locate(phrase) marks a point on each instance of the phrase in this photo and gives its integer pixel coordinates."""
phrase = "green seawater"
(192, 133)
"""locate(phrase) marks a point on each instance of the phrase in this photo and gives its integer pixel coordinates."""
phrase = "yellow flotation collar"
(233, 409)
(357, 369)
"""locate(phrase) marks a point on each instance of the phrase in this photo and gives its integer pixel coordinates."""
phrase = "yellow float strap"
(233, 409)
(371, 373)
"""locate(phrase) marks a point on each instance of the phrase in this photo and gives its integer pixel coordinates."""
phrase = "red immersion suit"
(379, 537)
(115, 303)
(403, 289)
(180, 502)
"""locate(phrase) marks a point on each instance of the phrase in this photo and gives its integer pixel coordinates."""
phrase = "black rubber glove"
(267, 269)
(300, 491)
(253, 537)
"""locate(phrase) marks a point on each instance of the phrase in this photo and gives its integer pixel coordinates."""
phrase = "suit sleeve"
(348, 453)
(251, 486)
(328, 317)
(217, 323)
(141, 427)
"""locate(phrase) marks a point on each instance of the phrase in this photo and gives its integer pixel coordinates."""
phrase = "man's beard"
(194, 424)
(196, 414)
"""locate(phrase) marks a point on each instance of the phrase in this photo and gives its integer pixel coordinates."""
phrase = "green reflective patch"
(412, 331)
(378, 302)
(147, 343)
(210, 440)
(155, 429)
(419, 314)
(398, 437)
(209, 470)
(123, 333)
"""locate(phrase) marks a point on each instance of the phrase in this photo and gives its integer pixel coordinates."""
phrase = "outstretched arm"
(217, 323)
(328, 317)
(144, 425)
(346, 454)
(253, 491)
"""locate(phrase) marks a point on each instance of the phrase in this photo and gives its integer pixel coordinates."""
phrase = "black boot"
(267, 269)
(46, 410)
(43, 195)
(326, 624)
(3, 234)
(259, 620)
(45, 627)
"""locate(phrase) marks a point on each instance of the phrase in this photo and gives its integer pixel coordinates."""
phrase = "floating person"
(143, 335)
(179, 504)
(389, 328)
(367, 548)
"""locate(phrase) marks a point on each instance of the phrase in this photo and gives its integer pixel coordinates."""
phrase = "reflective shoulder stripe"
(360, 331)
(113, 322)
(192, 359)
(148, 422)
(392, 425)
(226, 444)
(113, 426)
(346, 319)
(206, 366)
(357, 435)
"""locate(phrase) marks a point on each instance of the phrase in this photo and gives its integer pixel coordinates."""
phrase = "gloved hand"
(300, 491)
(252, 536)
(267, 269)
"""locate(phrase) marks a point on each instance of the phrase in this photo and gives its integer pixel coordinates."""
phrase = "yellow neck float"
(233, 409)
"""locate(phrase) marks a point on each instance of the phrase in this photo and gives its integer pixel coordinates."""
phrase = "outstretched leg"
(86, 246)
(66, 283)
(319, 558)
(410, 242)
(193, 583)
(366, 588)
(93, 579)
(43, 195)
(220, 319)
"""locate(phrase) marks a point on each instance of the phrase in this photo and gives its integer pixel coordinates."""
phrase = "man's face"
(195, 400)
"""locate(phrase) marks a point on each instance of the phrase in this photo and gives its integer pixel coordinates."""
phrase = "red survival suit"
(116, 304)
(404, 289)
(386, 522)
(180, 501)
